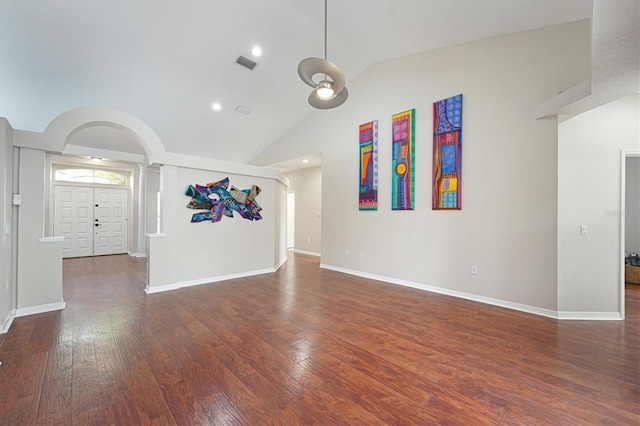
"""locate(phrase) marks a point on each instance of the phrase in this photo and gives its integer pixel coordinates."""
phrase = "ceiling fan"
(329, 92)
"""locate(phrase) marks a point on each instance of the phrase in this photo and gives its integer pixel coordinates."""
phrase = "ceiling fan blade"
(309, 67)
(320, 103)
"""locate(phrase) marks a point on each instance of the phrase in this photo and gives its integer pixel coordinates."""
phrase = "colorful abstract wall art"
(403, 152)
(368, 166)
(447, 154)
(219, 201)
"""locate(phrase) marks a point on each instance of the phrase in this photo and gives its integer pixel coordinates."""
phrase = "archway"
(83, 124)
(63, 127)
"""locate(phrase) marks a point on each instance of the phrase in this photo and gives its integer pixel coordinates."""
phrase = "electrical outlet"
(346, 252)
(361, 254)
(474, 270)
(309, 240)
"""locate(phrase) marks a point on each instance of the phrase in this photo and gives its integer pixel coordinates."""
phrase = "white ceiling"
(166, 62)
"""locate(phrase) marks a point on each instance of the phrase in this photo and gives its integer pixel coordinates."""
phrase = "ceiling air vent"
(247, 63)
(243, 110)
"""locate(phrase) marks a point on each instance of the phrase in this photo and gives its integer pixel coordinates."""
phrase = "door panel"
(111, 219)
(73, 214)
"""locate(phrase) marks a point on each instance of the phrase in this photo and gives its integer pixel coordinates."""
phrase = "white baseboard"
(6, 324)
(32, 310)
(209, 280)
(161, 288)
(280, 264)
(310, 253)
(132, 254)
(589, 316)
(459, 294)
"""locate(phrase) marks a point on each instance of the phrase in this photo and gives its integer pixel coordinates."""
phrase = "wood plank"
(55, 400)
(21, 377)
(178, 392)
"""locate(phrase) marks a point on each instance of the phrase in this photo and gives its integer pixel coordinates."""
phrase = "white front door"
(110, 221)
(73, 219)
(93, 221)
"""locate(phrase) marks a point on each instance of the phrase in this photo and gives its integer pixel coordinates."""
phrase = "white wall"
(7, 286)
(508, 224)
(162, 248)
(632, 205)
(589, 194)
(280, 231)
(232, 245)
(136, 212)
(152, 187)
(39, 259)
(307, 185)
(195, 253)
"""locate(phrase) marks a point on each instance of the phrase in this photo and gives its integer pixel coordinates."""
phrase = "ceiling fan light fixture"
(330, 92)
(334, 101)
(325, 90)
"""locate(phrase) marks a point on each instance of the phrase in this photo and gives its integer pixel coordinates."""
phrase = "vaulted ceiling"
(167, 62)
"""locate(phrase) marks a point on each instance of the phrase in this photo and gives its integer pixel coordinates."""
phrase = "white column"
(142, 210)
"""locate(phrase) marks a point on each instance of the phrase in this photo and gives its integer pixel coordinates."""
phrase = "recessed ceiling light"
(305, 161)
(256, 51)
(96, 159)
(216, 106)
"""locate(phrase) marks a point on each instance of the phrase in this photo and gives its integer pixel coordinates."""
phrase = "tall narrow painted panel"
(447, 154)
(368, 198)
(403, 153)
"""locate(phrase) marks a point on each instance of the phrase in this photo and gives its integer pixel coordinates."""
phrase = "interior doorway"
(629, 213)
(291, 220)
(93, 221)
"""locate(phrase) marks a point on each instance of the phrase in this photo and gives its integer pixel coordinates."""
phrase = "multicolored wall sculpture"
(368, 166)
(219, 201)
(447, 154)
(403, 153)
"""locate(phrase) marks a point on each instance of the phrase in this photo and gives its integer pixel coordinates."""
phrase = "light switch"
(584, 230)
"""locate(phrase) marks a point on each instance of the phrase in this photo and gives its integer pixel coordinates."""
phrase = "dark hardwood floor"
(308, 346)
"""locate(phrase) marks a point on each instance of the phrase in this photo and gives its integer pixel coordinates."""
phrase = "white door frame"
(624, 154)
(136, 194)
